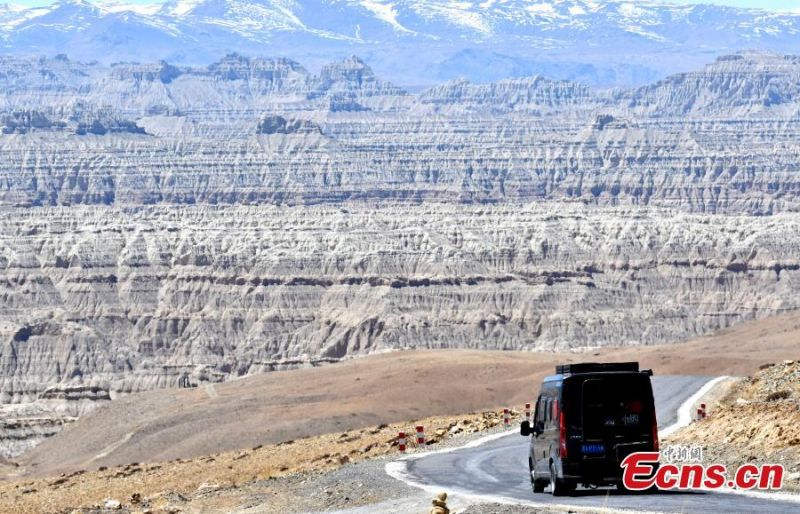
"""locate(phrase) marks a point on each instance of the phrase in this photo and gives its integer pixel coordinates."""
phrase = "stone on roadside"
(110, 503)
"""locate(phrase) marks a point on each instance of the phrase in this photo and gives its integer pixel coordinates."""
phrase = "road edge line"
(399, 471)
(685, 409)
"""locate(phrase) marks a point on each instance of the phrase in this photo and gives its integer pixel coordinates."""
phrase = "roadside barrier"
(528, 412)
(420, 435)
(701, 412)
(506, 418)
(401, 442)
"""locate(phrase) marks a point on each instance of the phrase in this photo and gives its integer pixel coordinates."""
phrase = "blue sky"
(764, 4)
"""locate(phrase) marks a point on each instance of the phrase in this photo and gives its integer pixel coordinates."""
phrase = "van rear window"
(608, 402)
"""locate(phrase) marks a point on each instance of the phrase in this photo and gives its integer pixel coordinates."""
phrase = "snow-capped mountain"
(410, 41)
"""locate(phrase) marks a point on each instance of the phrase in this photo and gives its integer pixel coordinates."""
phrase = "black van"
(588, 418)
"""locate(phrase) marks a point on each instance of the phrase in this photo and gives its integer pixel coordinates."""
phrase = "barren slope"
(268, 408)
(757, 421)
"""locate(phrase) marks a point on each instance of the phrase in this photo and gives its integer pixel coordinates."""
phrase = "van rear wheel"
(559, 487)
(537, 485)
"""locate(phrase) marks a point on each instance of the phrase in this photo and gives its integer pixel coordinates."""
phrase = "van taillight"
(655, 433)
(562, 436)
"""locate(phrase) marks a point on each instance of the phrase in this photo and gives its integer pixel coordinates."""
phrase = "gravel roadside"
(359, 488)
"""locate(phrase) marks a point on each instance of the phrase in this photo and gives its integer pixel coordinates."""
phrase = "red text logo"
(641, 471)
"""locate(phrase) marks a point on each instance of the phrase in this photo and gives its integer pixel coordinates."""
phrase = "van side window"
(540, 410)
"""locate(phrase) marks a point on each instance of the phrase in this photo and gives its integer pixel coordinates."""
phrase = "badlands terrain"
(102, 301)
(163, 223)
(247, 131)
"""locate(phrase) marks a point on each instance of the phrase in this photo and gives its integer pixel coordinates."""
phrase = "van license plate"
(593, 449)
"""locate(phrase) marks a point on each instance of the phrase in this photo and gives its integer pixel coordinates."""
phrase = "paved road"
(500, 468)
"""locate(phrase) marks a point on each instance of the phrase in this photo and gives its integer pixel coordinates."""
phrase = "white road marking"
(399, 470)
(475, 465)
(685, 410)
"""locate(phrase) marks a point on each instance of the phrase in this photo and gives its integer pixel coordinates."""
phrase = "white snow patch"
(577, 10)
(183, 7)
(542, 9)
(384, 12)
(458, 13)
(141, 9)
(630, 10)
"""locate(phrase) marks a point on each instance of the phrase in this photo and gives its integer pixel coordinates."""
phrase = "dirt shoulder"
(294, 476)
(757, 421)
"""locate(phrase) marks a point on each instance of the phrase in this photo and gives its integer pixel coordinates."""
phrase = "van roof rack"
(595, 367)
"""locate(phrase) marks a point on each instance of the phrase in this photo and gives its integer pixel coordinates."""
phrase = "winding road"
(497, 470)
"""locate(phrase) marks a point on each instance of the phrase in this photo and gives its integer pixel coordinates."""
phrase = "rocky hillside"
(757, 422)
(734, 86)
(235, 481)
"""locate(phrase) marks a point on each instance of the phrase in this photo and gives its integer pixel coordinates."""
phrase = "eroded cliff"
(101, 301)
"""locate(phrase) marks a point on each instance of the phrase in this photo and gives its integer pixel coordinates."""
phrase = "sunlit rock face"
(161, 223)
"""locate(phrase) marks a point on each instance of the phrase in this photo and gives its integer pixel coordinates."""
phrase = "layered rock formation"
(104, 301)
(734, 86)
(280, 125)
(252, 216)
(720, 140)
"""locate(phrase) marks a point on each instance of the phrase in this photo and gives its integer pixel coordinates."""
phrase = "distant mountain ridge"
(411, 42)
(733, 86)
